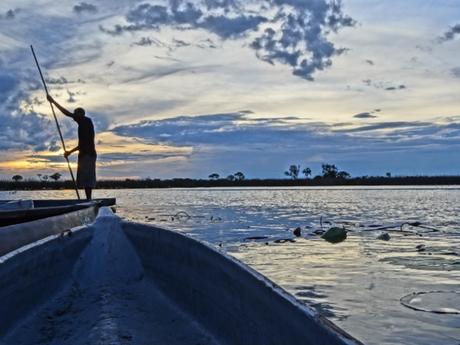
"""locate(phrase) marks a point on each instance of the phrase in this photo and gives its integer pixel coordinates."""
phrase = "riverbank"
(202, 183)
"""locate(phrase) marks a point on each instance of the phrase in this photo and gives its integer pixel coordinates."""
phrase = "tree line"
(295, 175)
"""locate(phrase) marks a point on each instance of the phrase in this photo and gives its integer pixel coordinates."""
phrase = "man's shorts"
(86, 173)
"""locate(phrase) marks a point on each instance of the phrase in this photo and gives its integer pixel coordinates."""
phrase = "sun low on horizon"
(187, 88)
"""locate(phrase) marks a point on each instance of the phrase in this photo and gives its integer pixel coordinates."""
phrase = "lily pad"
(438, 302)
(335, 235)
(384, 237)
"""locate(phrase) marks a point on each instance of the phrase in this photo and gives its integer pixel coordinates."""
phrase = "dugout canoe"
(56, 216)
(118, 282)
(45, 208)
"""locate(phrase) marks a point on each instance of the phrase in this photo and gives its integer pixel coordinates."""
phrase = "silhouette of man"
(86, 173)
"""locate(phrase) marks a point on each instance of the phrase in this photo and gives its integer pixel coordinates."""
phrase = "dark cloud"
(393, 88)
(226, 27)
(387, 126)
(366, 115)
(84, 7)
(21, 127)
(450, 34)
(10, 14)
(384, 85)
(245, 132)
(57, 81)
(289, 32)
(147, 41)
(71, 98)
(261, 145)
(456, 72)
(179, 43)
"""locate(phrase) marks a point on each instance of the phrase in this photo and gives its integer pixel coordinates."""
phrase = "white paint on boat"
(118, 282)
(18, 235)
(16, 205)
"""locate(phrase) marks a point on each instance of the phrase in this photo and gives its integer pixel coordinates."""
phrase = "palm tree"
(17, 178)
(329, 170)
(214, 176)
(306, 172)
(293, 172)
(239, 176)
(55, 176)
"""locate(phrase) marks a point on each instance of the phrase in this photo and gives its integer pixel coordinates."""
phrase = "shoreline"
(201, 183)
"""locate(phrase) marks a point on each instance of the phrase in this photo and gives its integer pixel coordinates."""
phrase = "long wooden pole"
(57, 123)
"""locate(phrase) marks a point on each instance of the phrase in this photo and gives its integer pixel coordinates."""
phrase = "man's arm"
(68, 153)
(60, 107)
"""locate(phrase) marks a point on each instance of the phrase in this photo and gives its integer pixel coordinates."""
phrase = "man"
(86, 173)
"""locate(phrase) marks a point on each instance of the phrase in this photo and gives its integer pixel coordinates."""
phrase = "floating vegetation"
(251, 238)
(335, 235)
(399, 227)
(284, 240)
(438, 302)
(384, 237)
(297, 231)
(420, 248)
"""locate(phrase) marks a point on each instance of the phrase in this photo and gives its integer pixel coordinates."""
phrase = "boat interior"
(117, 282)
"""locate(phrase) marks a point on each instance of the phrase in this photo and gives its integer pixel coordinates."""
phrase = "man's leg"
(88, 192)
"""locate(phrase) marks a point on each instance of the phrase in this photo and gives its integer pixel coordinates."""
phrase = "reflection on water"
(357, 283)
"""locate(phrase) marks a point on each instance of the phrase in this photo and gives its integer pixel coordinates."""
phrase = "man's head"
(79, 112)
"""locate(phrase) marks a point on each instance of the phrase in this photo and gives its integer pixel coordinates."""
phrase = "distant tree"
(293, 172)
(343, 175)
(329, 170)
(231, 177)
(56, 176)
(388, 174)
(17, 178)
(239, 176)
(306, 172)
(214, 176)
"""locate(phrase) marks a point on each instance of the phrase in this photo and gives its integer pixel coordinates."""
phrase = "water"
(357, 283)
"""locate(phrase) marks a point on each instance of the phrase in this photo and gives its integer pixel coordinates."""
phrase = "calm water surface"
(357, 283)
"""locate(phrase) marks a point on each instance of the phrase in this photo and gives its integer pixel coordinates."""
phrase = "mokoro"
(46, 208)
(17, 235)
(118, 282)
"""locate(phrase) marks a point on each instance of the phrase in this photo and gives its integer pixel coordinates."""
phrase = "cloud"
(21, 127)
(247, 132)
(261, 145)
(10, 14)
(366, 115)
(161, 72)
(288, 32)
(456, 72)
(62, 81)
(71, 98)
(387, 86)
(84, 7)
(393, 88)
(450, 34)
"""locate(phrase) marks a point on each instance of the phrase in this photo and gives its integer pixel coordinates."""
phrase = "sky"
(187, 88)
